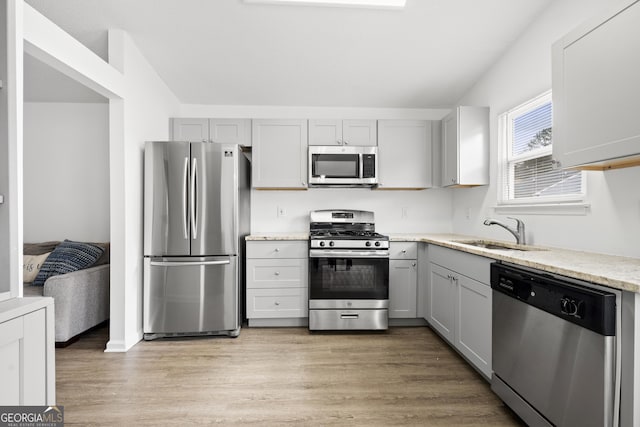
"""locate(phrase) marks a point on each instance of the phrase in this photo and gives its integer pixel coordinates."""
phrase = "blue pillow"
(68, 256)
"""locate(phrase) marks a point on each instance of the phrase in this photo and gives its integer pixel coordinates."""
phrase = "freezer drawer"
(191, 296)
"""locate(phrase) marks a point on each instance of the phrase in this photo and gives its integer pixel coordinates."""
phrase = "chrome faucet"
(518, 232)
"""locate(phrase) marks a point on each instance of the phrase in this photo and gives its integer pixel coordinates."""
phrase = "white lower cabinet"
(277, 281)
(442, 302)
(460, 303)
(473, 322)
(27, 352)
(403, 280)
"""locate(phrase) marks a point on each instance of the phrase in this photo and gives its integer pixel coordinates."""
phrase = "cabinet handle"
(404, 251)
(453, 180)
(303, 183)
(276, 303)
(345, 142)
(277, 250)
(277, 273)
(339, 141)
(413, 264)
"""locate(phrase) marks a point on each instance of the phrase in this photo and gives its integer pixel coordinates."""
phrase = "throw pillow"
(68, 256)
(31, 266)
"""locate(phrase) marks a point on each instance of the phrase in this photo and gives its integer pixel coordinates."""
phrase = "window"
(529, 174)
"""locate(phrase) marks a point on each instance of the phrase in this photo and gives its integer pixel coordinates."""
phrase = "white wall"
(66, 172)
(142, 115)
(424, 211)
(522, 73)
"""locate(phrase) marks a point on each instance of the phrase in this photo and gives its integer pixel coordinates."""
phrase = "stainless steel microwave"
(340, 166)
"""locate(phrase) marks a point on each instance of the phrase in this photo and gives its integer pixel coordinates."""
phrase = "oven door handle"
(330, 253)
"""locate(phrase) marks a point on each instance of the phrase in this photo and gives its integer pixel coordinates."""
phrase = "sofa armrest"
(81, 300)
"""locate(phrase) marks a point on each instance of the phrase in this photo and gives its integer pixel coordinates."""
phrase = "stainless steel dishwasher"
(554, 348)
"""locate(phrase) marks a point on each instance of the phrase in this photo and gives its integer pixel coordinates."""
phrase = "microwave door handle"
(360, 166)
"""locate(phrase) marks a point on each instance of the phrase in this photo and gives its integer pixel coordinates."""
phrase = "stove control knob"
(377, 243)
(321, 243)
(331, 243)
(368, 244)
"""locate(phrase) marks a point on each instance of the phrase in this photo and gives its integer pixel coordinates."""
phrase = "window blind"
(529, 172)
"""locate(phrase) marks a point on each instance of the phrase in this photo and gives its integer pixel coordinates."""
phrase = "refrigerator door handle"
(187, 263)
(185, 213)
(194, 205)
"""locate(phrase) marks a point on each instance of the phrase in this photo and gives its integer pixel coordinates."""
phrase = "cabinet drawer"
(277, 273)
(403, 250)
(278, 249)
(474, 266)
(277, 303)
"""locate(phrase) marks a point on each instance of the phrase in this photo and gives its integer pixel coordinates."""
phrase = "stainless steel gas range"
(348, 272)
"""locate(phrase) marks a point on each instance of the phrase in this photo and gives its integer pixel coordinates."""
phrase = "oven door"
(343, 277)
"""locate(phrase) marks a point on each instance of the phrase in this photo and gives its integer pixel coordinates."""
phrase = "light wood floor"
(289, 376)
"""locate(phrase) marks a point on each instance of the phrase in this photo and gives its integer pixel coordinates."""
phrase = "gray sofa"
(81, 297)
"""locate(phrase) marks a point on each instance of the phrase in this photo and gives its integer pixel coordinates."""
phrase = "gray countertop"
(608, 270)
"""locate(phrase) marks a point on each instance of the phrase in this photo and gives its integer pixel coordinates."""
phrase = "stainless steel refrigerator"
(196, 215)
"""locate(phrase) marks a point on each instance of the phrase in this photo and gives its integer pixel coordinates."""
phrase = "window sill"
(578, 209)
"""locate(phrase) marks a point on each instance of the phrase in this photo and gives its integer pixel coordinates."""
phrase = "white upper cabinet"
(227, 131)
(342, 132)
(230, 131)
(325, 132)
(596, 102)
(465, 147)
(404, 154)
(189, 129)
(279, 158)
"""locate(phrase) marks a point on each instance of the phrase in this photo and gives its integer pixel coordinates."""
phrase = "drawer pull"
(277, 303)
(349, 315)
(277, 273)
(276, 250)
(404, 251)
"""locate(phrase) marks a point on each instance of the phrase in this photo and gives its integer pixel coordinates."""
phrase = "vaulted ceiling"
(228, 52)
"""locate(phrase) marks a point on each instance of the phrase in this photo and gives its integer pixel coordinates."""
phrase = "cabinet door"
(275, 249)
(450, 150)
(403, 281)
(230, 131)
(11, 336)
(442, 302)
(325, 132)
(595, 90)
(192, 130)
(404, 154)
(359, 132)
(465, 151)
(473, 323)
(279, 154)
(277, 303)
(264, 273)
(23, 360)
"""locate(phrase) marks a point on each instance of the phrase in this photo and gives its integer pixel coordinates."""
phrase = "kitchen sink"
(489, 244)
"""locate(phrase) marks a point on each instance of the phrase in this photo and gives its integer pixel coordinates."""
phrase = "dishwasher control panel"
(572, 307)
(566, 298)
